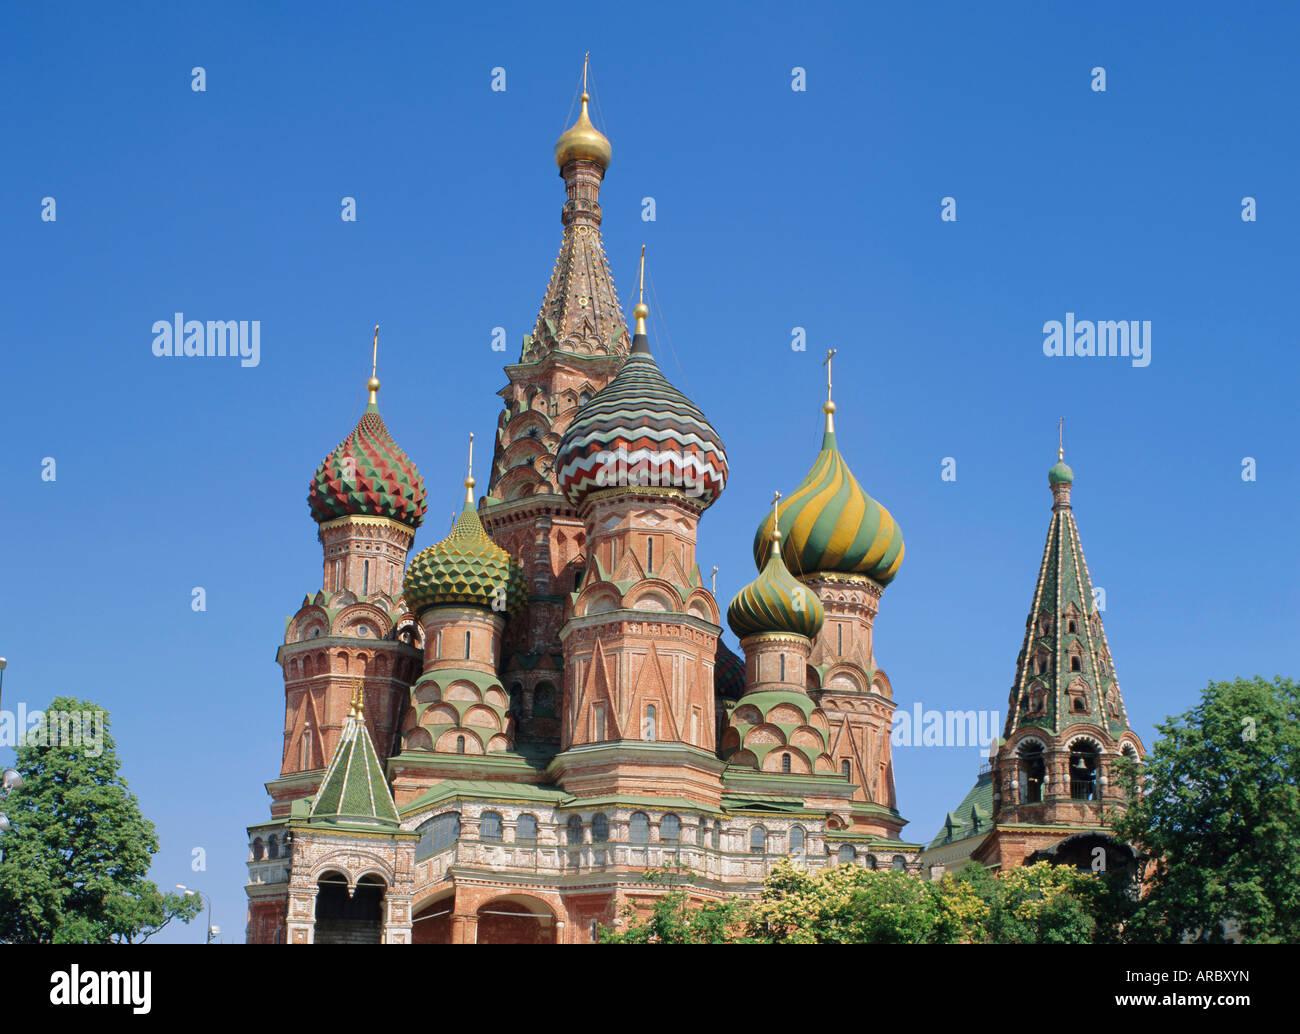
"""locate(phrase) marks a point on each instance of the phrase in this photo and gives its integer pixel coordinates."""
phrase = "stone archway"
(432, 923)
(349, 915)
(516, 919)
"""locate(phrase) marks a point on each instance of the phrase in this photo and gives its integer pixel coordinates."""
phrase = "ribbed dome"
(583, 141)
(368, 475)
(467, 569)
(775, 601)
(831, 525)
(640, 430)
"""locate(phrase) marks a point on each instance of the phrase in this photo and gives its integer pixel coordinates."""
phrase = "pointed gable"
(354, 791)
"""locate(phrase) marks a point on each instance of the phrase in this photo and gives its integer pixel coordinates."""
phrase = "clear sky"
(775, 209)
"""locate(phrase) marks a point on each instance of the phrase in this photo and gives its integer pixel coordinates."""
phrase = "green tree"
(1037, 904)
(1218, 818)
(674, 920)
(78, 850)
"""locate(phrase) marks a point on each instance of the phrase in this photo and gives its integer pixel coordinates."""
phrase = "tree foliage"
(76, 856)
(1218, 818)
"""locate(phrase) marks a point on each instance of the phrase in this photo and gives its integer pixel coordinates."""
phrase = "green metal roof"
(972, 817)
(354, 791)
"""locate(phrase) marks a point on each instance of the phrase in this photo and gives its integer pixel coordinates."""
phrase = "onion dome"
(368, 475)
(582, 141)
(775, 601)
(832, 525)
(465, 569)
(640, 431)
(1060, 474)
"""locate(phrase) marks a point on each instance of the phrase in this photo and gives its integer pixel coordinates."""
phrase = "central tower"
(577, 345)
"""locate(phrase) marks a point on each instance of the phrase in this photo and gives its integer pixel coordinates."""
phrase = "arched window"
(544, 700)
(599, 828)
(526, 829)
(639, 828)
(517, 699)
(717, 835)
(1033, 772)
(1076, 663)
(785, 762)
(1071, 626)
(1083, 770)
(460, 744)
(899, 864)
(844, 768)
(273, 847)
(651, 723)
(797, 840)
(489, 826)
(670, 829)
(573, 831)
(757, 840)
(583, 399)
(846, 855)
(871, 863)
(365, 579)
(437, 834)
(467, 646)
(259, 849)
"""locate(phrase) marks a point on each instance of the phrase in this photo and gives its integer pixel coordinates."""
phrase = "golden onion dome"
(583, 142)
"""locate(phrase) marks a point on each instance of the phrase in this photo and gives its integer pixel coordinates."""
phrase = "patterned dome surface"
(368, 475)
(831, 525)
(640, 430)
(775, 601)
(1060, 474)
(466, 568)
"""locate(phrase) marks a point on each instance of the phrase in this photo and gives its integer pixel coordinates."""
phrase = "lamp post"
(212, 930)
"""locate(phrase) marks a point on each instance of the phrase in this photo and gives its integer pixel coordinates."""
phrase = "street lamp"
(213, 931)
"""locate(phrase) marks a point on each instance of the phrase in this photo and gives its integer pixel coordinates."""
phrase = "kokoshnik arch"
(492, 742)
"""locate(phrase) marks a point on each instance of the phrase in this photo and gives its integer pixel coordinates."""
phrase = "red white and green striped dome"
(639, 430)
(368, 475)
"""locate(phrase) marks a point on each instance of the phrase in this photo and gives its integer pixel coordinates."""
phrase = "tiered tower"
(640, 464)
(1053, 777)
(846, 547)
(577, 345)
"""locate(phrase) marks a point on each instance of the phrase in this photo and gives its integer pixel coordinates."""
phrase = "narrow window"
(573, 831)
(785, 762)
(796, 840)
(782, 679)
(717, 834)
(365, 578)
(1075, 664)
(670, 829)
(460, 744)
(489, 827)
(757, 840)
(526, 829)
(466, 646)
(839, 632)
(437, 645)
(649, 554)
(651, 724)
(639, 828)
(844, 768)
(305, 752)
(598, 720)
(599, 828)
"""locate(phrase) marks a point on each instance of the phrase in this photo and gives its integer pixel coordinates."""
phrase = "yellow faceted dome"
(583, 142)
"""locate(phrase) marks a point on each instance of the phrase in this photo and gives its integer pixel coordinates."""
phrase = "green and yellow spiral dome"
(465, 569)
(775, 601)
(831, 525)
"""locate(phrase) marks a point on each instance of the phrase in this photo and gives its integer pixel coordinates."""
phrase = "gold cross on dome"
(830, 354)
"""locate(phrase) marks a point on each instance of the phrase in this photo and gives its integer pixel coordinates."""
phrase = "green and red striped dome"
(368, 475)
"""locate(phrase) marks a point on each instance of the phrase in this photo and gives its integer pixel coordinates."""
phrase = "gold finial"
(776, 517)
(586, 60)
(642, 310)
(715, 579)
(469, 477)
(372, 385)
(358, 709)
(582, 140)
(829, 408)
(1060, 440)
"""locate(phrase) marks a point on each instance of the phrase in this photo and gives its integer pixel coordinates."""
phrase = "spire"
(829, 408)
(469, 476)
(354, 791)
(1064, 674)
(580, 312)
(641, 343)
(1060, 477)
(372, 385)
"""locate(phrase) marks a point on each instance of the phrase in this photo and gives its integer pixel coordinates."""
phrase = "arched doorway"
(516, 920)
(343, 918)
(431, 924)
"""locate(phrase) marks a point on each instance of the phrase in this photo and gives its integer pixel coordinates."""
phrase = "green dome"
(1060, 474)
(466, 568)
(775, 601)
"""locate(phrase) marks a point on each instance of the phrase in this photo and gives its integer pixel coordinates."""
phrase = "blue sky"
(775, 209)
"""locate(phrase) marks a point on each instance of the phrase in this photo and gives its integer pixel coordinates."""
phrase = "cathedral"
(492, 741)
